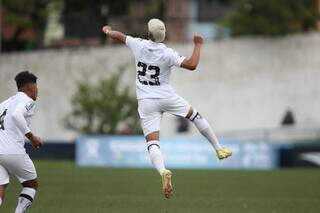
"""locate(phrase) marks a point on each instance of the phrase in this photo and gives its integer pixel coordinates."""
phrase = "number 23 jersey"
(153, 64)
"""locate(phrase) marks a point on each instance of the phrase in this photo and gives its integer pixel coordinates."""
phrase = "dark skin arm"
(119, 36)
(192, 62)
(35, 140)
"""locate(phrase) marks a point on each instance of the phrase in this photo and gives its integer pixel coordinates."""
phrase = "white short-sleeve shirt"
(153, 64)
(13, 130)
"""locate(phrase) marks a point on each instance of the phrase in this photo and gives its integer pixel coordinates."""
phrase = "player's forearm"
(193, 61)
(117, 36)
(195, 57)
(29, 135)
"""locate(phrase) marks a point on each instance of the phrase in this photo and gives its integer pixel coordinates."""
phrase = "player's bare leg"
(27, 195)
(205, 129)
(2, 192)
(158, 162)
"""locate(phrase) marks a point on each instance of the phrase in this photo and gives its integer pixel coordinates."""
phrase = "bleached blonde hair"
(157, 29)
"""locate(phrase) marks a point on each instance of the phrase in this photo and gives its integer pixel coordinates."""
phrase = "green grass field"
(65, 188)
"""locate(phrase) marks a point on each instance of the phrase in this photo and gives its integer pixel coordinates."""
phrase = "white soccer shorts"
(20, 166)
(151, 110)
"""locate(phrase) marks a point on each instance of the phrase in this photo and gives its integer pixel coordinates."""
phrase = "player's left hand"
(197, 38)
(36, 142)
(106, 29)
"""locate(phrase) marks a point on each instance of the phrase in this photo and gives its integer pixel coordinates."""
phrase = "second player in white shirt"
(15, 118)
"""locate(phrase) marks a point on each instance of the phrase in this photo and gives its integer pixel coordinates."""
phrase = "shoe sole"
(226, 156)
(167, 185)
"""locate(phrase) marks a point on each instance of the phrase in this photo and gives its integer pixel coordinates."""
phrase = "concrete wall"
(240, 84)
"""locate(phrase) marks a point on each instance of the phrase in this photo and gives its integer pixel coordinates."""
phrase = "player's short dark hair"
(24, 78)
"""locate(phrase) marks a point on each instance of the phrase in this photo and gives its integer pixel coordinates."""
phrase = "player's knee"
(31, 184)
(189, 113)
(193, 113)
(36, 185)
(153, 136)
(3, 190)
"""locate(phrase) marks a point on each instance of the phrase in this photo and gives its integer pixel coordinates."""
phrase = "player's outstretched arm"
(192, 62)
(114, 34)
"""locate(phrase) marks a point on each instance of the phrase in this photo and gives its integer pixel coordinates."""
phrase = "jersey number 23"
(154, 78)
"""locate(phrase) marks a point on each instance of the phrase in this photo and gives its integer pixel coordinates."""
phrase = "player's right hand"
(106, 29)
(197, 39)
(36, 142)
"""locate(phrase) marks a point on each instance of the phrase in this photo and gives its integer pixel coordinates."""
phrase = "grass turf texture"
(65, 188)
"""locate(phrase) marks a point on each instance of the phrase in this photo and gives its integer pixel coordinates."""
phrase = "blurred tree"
(84, 14)
(25, 15)
(103, 107)
(155, 8)
(271, 17)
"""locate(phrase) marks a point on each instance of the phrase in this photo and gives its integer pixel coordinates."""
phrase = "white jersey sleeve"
(135, 44)
(18, 117)
(175, 59)
(15, 119)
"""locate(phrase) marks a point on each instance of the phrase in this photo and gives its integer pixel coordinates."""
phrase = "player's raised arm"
(192, 62)
(114, 34)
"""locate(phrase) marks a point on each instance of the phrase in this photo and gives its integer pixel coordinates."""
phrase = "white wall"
(240, 84)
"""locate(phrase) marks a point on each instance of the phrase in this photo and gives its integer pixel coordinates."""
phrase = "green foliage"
(102, 107)
(28, 14)
(271, 17)
(155, 8)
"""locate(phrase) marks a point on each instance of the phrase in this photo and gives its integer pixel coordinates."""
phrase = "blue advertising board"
(179, 152)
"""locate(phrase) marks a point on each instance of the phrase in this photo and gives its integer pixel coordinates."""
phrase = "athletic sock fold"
(25, 199)
(205, 129)
(155, 154)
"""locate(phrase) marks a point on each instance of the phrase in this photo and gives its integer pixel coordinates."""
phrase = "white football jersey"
(153, 64)
(15, 117)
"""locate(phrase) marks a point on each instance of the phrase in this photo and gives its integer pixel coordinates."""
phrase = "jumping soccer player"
(155, 95)
(15, 116)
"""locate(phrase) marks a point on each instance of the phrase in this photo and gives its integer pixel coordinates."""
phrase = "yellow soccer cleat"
(223, 153)
(167, 187)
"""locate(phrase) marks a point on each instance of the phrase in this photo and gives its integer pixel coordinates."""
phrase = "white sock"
(25, 199)
(0, 201)
(156, 156)
(205, 129)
